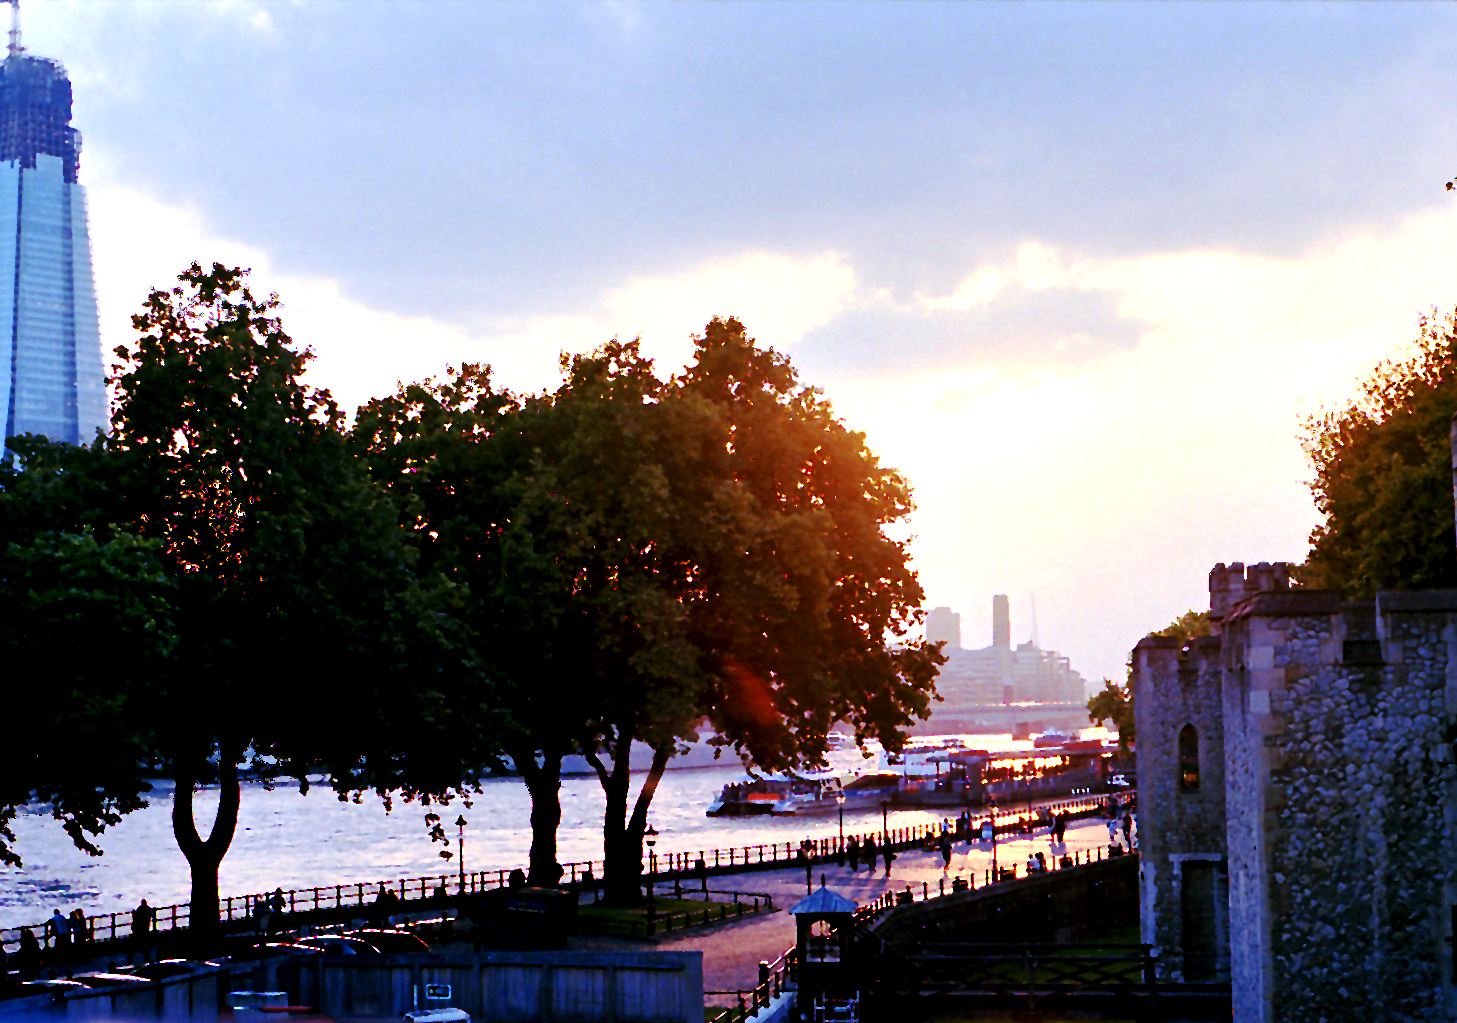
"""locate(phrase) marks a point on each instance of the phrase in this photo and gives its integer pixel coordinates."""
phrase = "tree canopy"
(463, 578)
(1383, 475)
(289, 622)
(85, 625)
(643, 554)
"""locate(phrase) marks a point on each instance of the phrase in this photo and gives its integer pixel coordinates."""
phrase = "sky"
(1078, 270)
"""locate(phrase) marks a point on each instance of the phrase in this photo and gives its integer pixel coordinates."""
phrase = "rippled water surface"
(292, 841)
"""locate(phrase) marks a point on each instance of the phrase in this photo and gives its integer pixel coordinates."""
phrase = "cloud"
(1048, 327)
(141, 242)
(1107, 476)
(1111, 486)
(472, 161)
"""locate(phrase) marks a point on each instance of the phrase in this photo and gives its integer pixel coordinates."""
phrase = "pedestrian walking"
(888, 855)
(854, 851)
(1128, 829)
(1041, 863)
(1113, 831)
(870, 853)
(945, 850)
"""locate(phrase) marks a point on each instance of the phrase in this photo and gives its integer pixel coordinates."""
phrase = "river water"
(289, 840)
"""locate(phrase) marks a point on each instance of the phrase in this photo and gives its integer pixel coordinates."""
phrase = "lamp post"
(651, 838)
(840, 801)
(460, 823)
(884, 821)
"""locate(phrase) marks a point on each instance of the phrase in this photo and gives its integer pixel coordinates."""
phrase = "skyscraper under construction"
(51, 377)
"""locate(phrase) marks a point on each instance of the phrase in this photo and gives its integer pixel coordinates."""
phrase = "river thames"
(288, 840)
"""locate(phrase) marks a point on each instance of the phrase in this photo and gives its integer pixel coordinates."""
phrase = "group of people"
(59, 935)
(64, 931)
(1126, 825)
(866, 851)
(266, 909)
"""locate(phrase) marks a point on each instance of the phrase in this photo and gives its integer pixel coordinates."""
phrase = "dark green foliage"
(298, 631)
(85, 630)
(463, 577)
(641, 554)
(1383, 478)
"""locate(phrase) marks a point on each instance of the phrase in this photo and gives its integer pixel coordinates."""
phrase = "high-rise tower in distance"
(1001, 622)
(51, 377)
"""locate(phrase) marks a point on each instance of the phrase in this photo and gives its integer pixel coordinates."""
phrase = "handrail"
(890, 899)
(683, 865)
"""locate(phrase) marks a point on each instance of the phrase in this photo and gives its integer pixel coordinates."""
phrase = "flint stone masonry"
(1340, 797)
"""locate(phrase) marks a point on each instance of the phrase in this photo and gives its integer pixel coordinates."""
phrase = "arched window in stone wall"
(1188, 759)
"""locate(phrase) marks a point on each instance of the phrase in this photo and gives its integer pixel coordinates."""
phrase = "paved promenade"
(732, 951)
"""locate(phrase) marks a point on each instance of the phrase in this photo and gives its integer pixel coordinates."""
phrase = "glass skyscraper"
(52, 381)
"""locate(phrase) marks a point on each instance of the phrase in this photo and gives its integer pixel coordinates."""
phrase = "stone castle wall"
(1339, 796)
(1183, 869)
(1341, 887)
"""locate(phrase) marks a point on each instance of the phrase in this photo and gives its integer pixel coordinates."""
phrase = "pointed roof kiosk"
(824, 928)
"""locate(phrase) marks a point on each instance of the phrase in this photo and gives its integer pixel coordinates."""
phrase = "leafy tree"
(89, 621)
(453, 453)
(1115, 702)
(640, 554)
(1383, 476)
(726, 540)
(305, 640)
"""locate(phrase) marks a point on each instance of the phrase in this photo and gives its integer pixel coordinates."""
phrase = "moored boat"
(811, 793)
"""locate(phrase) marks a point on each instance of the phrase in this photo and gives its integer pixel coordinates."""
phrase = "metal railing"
(892, 898)
(364, 895)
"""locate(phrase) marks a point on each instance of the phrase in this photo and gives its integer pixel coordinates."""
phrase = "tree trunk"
(623, 836)
(544, 783)
(205, 857)
(620, 869)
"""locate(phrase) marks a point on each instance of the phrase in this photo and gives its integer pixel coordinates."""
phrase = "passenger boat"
(808, 793)
(1049, 739)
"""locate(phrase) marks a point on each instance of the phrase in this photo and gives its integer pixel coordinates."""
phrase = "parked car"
(391, 942)
(101, 979)
(338, 945)
(164, 968)
(1119, 781)
(49, 987)
(263, 950)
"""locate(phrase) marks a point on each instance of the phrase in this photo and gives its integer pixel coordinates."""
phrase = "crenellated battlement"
(1230, 584)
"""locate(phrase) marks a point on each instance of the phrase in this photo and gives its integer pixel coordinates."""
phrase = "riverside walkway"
(329, 904)
(733, 950)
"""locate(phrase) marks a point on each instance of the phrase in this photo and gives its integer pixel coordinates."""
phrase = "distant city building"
(52, 381)
(1000, 675)
(944, 626)
(1001, 622)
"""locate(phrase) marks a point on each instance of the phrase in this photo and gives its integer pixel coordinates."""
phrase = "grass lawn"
(672, 915)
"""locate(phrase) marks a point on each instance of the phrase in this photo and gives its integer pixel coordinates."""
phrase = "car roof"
(53, 982)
